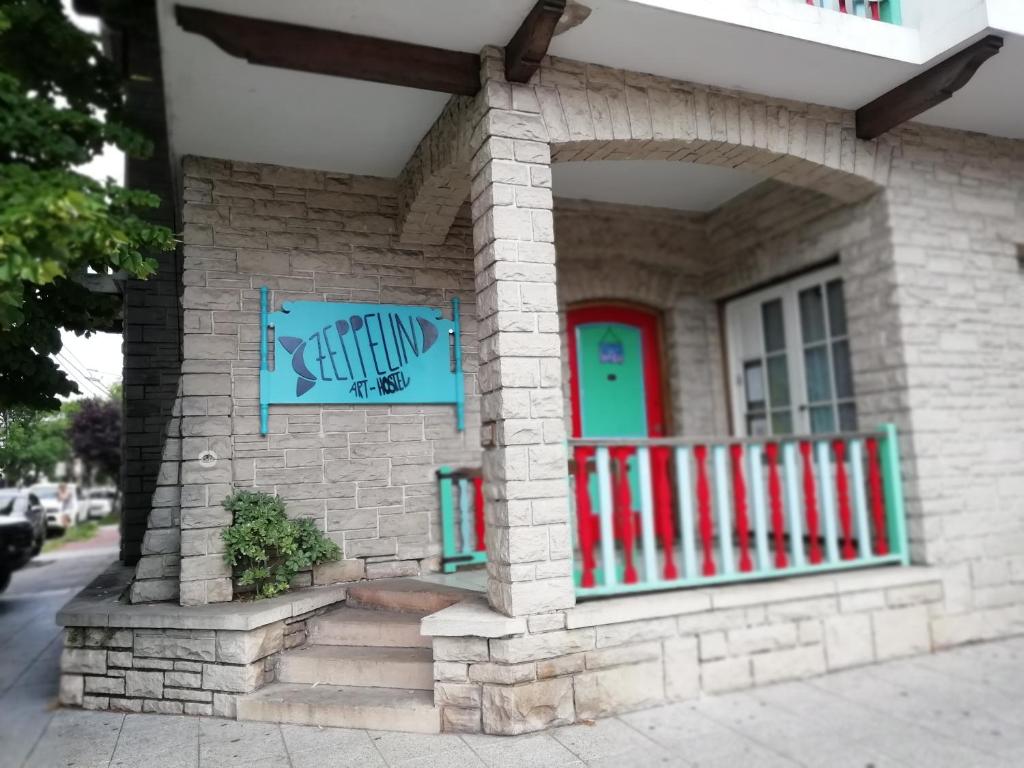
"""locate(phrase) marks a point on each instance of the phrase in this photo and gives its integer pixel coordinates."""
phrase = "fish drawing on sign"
(368, 350)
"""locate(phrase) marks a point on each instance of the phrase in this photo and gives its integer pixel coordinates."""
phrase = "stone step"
(405, 595)
(342, 706)
(361, 626)
(359, 666)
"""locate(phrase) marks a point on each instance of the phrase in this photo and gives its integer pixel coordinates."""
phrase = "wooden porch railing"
(879, 10)
(462, 518)
(667, 513)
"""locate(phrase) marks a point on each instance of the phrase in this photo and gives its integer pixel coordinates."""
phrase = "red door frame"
(650, 330)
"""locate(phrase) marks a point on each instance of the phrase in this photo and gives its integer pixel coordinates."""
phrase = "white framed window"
(788, 356)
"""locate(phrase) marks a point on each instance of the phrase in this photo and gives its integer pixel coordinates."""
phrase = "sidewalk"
(961, 709)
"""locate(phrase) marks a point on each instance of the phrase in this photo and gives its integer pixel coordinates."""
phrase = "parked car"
(102, 502)
(22, 530)
(62, 509)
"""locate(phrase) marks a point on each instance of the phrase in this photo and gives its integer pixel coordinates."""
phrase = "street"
(960, 709)
(29, 668)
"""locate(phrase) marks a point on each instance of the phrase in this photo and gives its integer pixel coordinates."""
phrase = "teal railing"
(668, 513)
(880, 10)
(462, 518)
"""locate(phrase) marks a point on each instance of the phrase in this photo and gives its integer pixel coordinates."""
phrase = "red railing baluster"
(700, 456)
(660, 456)
(771, 450)
(478, 513)
(624, 510)
(842, 6)
(877, 499)
(875, 9)
(584, 514)
(810, 503)
(739, 496)
(843, 492)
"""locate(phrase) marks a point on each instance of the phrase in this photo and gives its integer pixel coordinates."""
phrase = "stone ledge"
(101, 604)
(471, 618)
(668, 603)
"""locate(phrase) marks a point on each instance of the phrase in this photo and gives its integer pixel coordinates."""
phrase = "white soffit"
(683, 186)
(222, 106)
(993, 102)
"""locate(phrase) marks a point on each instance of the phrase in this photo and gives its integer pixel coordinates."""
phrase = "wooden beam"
(530, 43)
(327, 52)
(930, 88)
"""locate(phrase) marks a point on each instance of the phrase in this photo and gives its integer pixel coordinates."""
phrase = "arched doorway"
(615, 371)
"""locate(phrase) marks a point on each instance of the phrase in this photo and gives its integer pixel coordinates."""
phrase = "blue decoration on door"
(611, 349)
(328, 352)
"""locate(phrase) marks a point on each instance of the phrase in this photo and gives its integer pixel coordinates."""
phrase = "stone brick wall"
(151, 314)
(364, 474)
(606, 657)
(172, 671)
(956, 203)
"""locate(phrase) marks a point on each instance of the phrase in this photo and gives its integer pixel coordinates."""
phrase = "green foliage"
(31, 443)
(268, 547)
(61, 102)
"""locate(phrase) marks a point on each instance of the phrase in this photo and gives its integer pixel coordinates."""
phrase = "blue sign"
(375, 354)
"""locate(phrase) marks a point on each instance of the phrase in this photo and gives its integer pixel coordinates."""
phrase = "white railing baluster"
(756, 488)
(755, 474)
(465, 528)
(827, 494)
(860, 501)
(607, 517)
(724, 510)
(684, 484)
(648, 542)
(793, 507)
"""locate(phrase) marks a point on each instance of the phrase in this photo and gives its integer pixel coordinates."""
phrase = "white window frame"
(788, 292)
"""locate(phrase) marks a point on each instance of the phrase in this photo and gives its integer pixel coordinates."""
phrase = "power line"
(86, 381)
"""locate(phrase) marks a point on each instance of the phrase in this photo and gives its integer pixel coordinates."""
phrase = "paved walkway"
(961, 709)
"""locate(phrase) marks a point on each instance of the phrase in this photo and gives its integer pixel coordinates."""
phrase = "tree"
(95, 433)
(60, 102)
(31, 444)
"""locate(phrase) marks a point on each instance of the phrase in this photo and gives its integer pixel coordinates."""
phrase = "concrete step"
(359, 666)
(405, 595)
(342, 706)
(361, 626)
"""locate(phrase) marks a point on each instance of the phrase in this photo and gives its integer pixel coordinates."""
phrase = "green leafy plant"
(61, 103)
(268, 547)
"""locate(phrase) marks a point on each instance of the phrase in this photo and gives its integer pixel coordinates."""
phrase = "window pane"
(812, 315)
(753, 379)
(841, 364)
(847, 417)
(822, 419)
(819, 383)
(836, 308)
(782, 422)
(757, 425)
(778, 380)
(774, 327)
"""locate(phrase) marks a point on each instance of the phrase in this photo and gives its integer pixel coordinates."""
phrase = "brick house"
(738, 349)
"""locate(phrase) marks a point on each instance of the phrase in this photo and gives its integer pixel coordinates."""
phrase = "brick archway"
(577, 112)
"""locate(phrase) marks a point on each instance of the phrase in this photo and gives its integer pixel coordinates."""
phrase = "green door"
(610, 365)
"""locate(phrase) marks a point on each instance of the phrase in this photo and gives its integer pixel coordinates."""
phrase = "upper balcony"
(912, 31)
(876, 10)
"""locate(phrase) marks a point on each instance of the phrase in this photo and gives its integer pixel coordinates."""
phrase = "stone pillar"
(523, 431)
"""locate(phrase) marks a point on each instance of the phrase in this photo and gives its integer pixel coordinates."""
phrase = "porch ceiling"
(683, 186)
(224, 107)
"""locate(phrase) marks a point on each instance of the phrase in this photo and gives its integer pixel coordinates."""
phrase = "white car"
(61, 516)
(102, 502)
